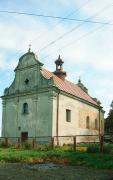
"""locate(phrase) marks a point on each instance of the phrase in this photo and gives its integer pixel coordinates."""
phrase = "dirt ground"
(51, 171)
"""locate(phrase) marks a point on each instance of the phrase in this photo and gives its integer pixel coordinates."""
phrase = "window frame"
(68, 115)
(25, 108)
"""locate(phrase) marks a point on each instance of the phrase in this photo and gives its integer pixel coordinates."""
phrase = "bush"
(81, 148)
(44, 147)
(93, 148)
(96, 148)
(66, 148)
(27, 145)
(107, 149)
(5, 144)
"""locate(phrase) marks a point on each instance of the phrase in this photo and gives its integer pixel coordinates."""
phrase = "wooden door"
(24, 136)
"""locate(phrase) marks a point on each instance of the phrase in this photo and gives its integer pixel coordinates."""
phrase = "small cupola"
(59, 68)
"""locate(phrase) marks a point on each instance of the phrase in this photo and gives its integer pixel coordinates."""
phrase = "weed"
(107, 149)
(27, 145)
(93, 148)
(5, 144)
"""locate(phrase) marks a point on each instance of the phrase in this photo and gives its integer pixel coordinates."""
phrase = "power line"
(56, 17)
(75, 28)
(81, 6)
(81, 37)
(70, 14)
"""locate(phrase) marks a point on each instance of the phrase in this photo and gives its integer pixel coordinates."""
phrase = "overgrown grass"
(58, 154)
(96, 160)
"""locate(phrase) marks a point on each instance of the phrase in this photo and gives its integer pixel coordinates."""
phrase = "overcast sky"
(86, 48)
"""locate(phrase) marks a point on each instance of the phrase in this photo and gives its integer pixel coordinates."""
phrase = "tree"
(109, 120)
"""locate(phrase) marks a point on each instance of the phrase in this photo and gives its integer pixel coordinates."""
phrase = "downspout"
(57, 118)
(99, 123)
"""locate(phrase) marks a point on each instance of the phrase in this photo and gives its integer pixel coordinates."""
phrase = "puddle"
(42, 166)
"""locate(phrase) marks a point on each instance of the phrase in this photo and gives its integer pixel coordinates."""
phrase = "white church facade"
(44, 103)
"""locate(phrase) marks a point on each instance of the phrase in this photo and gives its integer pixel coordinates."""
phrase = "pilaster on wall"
(16, 103)
(55, 114)
(3, 117)
(35, 115)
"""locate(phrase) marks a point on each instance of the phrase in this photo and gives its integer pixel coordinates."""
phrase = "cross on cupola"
(29, 50)
(59, 68)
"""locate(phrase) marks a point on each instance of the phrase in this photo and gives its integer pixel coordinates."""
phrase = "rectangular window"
(68, 115)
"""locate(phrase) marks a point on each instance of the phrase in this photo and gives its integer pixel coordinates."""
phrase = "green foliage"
(96, 148)
(109, 121)
(5, 144)
(68, 148)
(44, 147)
(27, 145)
(81, 148)
(107, 149)
(96, 160)
(93, 148)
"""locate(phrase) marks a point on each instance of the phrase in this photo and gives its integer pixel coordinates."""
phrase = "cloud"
(93, 50)
(17, 36)
(102, 9)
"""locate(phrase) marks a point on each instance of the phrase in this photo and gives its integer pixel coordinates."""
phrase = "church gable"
(28, 60)
(28, 76)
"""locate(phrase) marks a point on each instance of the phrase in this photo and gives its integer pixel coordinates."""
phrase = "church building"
(44, 103)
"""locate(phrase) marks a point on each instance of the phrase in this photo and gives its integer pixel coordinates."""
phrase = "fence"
(73, 141)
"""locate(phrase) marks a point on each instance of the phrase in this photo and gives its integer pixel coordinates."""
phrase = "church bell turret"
(59, 68)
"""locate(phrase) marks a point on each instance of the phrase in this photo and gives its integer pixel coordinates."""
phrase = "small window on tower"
(25, 108)
(59, 67)
(68, 115)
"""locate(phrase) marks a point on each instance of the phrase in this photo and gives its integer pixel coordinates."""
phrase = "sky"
(85, 47)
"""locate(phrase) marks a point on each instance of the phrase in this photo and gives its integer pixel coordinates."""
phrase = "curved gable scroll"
(28, 60)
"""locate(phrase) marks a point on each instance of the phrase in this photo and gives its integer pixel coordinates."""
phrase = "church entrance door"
(24, 136)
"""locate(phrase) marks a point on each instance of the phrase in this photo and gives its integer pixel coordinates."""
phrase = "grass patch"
(96, 160)
(58, 154)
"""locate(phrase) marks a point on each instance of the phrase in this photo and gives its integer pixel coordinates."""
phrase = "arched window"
(87, 122)
(25, 108)
(96, 124)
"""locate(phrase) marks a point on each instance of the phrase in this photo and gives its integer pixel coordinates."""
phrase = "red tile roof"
(68, 86)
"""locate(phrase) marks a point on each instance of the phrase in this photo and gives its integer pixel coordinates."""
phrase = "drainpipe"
(99, 123)
(57, 116)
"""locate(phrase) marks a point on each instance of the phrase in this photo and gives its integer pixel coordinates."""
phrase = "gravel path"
(51, 171)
